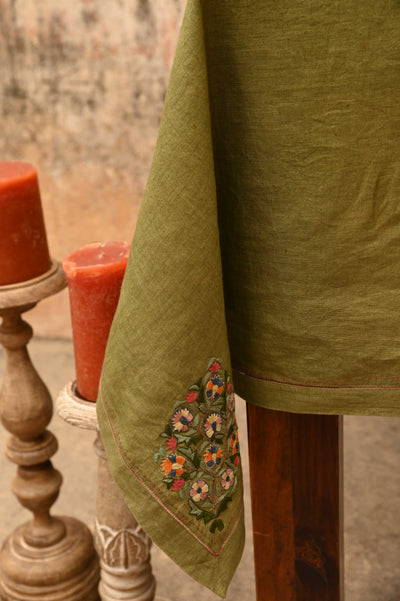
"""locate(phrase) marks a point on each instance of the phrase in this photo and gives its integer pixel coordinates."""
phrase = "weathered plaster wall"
(81, 93)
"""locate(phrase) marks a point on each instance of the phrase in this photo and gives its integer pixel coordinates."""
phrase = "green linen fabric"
(266, 258)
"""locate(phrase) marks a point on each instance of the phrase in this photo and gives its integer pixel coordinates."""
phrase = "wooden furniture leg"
(122, 545)
(296, 489)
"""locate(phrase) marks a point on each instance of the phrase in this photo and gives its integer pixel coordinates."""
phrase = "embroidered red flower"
(214, 367)
(192, 396)
(177, 484)
(229, 387)
(237, 460)
(171, 444)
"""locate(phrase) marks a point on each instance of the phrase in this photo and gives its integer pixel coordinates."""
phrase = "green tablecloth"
(266, 257)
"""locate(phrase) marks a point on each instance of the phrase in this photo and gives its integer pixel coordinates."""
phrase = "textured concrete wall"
(81, 93)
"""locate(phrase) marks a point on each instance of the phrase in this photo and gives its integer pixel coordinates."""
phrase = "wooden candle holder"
(48, 558)
(122, 545)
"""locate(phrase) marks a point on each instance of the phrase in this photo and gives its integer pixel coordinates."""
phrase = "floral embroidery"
(199, 491)
(199, 456)
(227, 479)
(214, 388)
(231, 402)
(234, 442)
(172, 465)
(177, 484)
(171, 444)
(191, 396)
(181, 420)
(213, 456)
(213, 424)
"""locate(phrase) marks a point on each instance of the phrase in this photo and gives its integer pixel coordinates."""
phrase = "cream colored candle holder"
(122, 545)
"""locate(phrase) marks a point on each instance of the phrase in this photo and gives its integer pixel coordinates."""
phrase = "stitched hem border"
(131, 466)
(309, 383)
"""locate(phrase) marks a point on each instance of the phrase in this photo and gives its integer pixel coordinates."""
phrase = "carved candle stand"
(48, 558)
(122, 545)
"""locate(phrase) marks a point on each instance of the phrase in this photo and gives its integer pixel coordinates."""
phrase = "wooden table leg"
(296, 489)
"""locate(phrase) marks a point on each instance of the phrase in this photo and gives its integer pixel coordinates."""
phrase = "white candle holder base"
(122, 545)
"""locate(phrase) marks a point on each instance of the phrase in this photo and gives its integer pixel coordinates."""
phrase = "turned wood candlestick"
(48, 558)
(122, 545)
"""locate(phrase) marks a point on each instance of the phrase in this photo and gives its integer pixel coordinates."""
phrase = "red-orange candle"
(94, 276)
(24, 253)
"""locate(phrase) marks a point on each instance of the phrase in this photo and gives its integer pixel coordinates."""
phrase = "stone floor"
(372, 496)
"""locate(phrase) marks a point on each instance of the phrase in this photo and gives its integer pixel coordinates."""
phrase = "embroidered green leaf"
(196, 459)
(217, 525)
(185, 475)
(194, 510)
(221, 470)
(224, 505)
(229, 462)
(182, 494)
(190, 432)
(195, 439)
(234, 487)
(177, 405)
(196, 420)
(207, 517)
(187, 453)
(205, 444)
(207, 505)
(203, 407)
(156, 458)
(168, 430)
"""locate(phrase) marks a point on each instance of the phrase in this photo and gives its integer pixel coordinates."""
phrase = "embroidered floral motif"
(181, 420)
(200, 452)
(213, 424)
(199, 491)
(172, 465)
(227, 479)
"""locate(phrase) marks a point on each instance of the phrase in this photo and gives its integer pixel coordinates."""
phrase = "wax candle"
(24, 253)
(94, 275)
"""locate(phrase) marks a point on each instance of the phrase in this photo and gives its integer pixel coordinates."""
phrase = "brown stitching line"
(222, 541)
(315, 383)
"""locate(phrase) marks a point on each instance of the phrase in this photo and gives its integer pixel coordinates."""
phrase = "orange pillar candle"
(24, 253)
(94, 276)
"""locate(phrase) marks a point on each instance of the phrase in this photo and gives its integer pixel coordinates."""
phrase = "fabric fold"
(166, 402)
